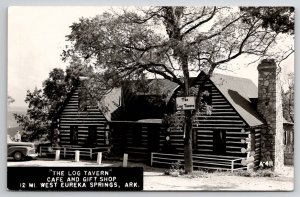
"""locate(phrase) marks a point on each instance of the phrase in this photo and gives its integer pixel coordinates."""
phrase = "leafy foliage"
(278, 19)
(43, 104)
(175, 169)
(35, 122)
(171, 42)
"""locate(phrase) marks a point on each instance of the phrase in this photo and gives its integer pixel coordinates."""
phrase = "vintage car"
(20, 150)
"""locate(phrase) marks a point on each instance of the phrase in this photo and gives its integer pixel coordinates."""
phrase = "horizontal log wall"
(223, 118)
(135, 138)
(71, 115)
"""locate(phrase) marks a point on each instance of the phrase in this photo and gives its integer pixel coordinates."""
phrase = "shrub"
(175, 166)
(175, 169)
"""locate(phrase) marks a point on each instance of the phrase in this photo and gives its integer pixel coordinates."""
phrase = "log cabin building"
(243, 130)
(80, 126)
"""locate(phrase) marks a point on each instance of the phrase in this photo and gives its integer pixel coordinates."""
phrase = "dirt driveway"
(155, 180)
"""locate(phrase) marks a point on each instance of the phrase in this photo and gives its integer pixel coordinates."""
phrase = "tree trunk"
(188, 149)
(188, 124)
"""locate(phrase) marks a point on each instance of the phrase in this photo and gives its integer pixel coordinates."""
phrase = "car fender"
(23, 149)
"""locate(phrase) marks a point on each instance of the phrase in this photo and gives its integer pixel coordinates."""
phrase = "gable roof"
(165, 86)
(238, 91)
(110, 103)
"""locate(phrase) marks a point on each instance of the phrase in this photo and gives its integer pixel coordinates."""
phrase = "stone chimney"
(269, 107)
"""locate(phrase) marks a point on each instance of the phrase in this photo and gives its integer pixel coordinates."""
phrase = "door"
(92, 136)
(219, 142)
(137, 135)
(153, 137)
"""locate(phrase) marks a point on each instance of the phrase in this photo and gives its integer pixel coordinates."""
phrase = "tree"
(288, 99)
(35, 122)
(44, 104)
(171, 42)
(279, 19)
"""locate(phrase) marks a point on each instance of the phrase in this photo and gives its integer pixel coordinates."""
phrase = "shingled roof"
(110, 103)
(238, 91)
(165, 86)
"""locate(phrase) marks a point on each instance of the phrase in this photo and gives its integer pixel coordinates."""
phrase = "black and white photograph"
(150, 98)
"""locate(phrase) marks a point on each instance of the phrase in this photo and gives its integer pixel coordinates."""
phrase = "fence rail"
(70, 151)
(200, 161)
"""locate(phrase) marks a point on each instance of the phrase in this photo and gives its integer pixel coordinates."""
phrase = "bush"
(175, 170)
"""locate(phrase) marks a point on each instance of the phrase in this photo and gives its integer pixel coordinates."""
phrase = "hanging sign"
(185, 103)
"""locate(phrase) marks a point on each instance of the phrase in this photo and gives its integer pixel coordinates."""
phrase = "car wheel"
(18, 156)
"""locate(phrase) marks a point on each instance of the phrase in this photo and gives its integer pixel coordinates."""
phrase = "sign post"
(185, 103)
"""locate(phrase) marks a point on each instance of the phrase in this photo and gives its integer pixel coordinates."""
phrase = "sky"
(36, 38)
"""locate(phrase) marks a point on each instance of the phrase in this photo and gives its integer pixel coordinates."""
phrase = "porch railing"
(200, 161)
(70, 151)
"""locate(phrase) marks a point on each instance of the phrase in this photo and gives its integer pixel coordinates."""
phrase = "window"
(252, 140)
(74, 134)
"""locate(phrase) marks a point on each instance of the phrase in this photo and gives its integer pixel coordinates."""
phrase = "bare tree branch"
(199, 23)
(217, 33)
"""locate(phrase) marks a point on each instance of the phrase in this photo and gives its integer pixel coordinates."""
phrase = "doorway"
(92, 136)
(219, 142)
(153, 137)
